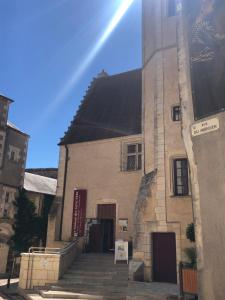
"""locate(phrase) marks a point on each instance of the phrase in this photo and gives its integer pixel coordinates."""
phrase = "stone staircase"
(95, 275)
(92, 276)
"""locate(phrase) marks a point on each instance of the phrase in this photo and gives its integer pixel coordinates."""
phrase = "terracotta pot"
(190, 281)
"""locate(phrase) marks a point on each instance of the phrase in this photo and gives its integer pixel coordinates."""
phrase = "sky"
(50, 51)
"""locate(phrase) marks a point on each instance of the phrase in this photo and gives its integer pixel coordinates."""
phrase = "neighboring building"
(46, 172)
(13, 153)
(164, 206)
(100, 164)
(41, 191)
(37, 188)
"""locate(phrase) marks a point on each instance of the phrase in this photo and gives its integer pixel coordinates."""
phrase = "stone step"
(70, 295)
(82, 288)
(98, 267)
(87, 277)
(67, 295)
(99, 284)
(98, 273)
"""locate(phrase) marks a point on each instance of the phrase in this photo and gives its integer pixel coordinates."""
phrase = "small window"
(171, 8)
(7, 197)
(12, 155)
(133, 157)
(180, 170)
(176, 113)
(5, 213)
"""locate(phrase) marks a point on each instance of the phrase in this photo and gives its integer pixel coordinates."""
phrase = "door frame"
(173, 234)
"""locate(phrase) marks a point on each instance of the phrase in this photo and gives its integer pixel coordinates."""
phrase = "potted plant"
(189, 268)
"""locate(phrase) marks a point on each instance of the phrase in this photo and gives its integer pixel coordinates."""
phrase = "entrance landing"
(152, 291)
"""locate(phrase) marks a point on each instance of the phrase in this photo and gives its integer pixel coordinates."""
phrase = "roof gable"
(111, 108)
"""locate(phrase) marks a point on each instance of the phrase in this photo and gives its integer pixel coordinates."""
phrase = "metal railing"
(47, 250)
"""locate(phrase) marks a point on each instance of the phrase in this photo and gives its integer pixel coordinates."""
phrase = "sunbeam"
(78, 72)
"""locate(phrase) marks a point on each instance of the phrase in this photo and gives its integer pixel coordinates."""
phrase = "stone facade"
(13, 152)
(97, 167)
(206, 159)
(160, 209)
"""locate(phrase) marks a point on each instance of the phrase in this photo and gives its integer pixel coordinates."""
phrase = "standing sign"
(121, 251)
(79, 213)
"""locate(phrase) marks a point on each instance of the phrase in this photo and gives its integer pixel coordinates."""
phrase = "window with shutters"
(133, 157)
(180, 172)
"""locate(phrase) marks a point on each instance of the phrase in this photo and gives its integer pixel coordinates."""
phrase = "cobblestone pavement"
(11, 292)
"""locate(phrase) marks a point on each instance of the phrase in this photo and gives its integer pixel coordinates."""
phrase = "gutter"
(64, 191)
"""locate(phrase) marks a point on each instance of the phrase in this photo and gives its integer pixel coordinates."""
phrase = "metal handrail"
(47, 250)
(51, 250)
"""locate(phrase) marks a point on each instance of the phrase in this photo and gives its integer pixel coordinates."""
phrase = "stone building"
(164, 206)
(37, 188)
(201, 84)
(100, 162)
(153, 203)
(13, 153)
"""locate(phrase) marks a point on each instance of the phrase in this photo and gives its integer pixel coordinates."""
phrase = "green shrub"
(192, 256)
(190, 232)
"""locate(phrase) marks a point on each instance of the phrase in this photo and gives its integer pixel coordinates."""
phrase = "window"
(7, 197)
(133, 157)
(171, 8)
(180, 170)
(5, 213)
(176, 113)
(12, 155)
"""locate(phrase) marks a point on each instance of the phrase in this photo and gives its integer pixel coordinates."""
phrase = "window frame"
(137, 154)
(175, 113)
(184, 178)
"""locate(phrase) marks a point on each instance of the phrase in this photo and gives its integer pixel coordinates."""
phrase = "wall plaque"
(205, 127)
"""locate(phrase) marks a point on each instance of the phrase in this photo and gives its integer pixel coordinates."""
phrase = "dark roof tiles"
(111, 108)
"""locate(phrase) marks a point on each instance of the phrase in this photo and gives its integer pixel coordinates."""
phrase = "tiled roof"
(111, 108)
(39, 184)
(11, 125)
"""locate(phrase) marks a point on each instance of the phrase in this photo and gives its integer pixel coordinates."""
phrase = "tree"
(26, 223)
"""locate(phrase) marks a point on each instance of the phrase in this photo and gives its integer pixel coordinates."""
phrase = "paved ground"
(11, 293)
(152, 290)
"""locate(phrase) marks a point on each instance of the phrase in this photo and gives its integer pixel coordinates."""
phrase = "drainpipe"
(64, 191)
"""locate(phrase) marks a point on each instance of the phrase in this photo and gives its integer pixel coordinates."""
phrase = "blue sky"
(43, 44)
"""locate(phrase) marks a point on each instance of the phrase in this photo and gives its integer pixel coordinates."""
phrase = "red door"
(164, 257)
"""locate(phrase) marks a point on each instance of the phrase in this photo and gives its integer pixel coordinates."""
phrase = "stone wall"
(162, 210)
(4, 249)
(98, 168)
(39, 269)
(207, 165)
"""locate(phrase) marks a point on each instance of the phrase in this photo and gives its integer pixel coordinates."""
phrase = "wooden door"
(164, 257)
(95, 240)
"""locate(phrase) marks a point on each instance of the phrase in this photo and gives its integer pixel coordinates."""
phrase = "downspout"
(64, 191)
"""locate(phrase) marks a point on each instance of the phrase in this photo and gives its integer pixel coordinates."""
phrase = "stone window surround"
(7, 206)
(171, 186)
(124, 154)
(172, 113)
(14, 153)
